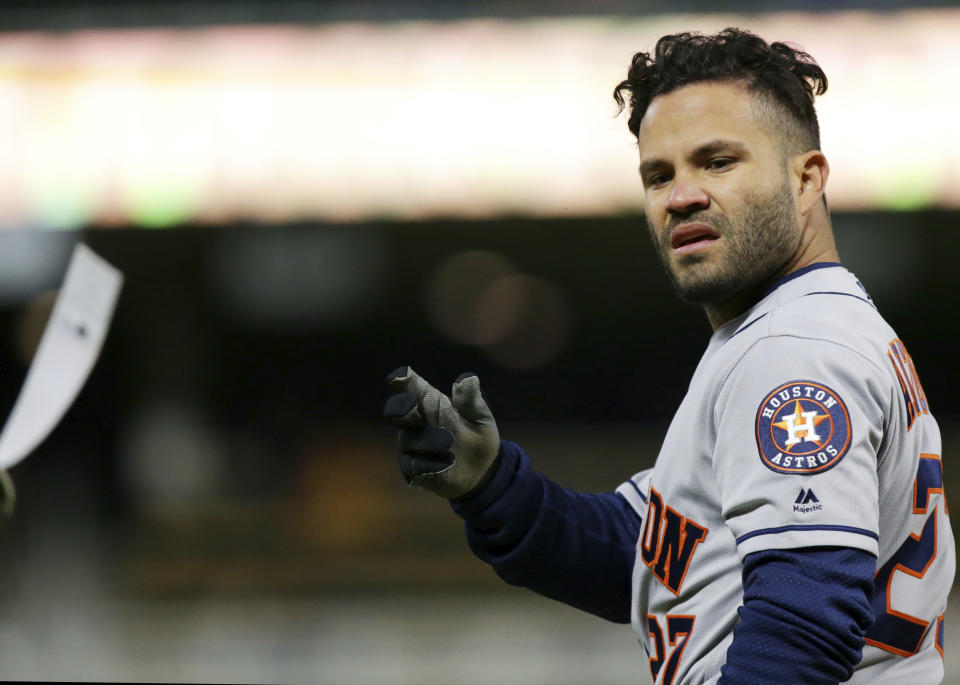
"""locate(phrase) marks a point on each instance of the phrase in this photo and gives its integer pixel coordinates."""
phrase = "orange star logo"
(797, 416)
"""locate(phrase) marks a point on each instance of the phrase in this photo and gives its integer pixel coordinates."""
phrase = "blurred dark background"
(72, 14)
(222, 502)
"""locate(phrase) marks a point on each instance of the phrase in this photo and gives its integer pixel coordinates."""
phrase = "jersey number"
(895, 631)
(677, 627)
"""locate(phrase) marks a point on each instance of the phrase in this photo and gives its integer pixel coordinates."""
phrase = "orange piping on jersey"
(938, 638)
(652, 531)
(673, 642)
(903, 366)
(656, 662)
(930, 491)
(908, 617)
(911, 407)
(662, 548)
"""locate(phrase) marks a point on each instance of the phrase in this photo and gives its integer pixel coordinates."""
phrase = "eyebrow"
(705, 150)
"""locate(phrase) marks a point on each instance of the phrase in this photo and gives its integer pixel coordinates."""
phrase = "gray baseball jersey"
(805, 424)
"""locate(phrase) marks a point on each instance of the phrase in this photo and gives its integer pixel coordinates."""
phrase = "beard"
(756, 242)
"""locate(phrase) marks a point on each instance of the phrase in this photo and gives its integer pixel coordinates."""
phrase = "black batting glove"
(446, 444)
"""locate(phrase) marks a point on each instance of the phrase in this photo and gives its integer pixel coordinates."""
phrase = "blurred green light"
(908, 200)
(909, 189)
(161, 205)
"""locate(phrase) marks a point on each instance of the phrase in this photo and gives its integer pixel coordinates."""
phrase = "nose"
(686, 197)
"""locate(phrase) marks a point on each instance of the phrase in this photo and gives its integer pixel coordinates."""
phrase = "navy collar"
(737, 323)
(796, 274)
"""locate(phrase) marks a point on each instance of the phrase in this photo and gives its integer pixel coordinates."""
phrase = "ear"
(812, 170)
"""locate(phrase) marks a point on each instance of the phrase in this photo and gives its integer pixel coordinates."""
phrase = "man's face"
(718, 201)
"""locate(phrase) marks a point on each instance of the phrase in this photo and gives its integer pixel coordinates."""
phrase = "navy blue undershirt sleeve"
(805, 611)
(574, 547)
(803, 618)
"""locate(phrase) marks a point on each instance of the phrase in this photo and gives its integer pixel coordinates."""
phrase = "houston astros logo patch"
(802, 427)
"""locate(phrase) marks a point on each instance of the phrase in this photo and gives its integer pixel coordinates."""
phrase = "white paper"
(68, 350)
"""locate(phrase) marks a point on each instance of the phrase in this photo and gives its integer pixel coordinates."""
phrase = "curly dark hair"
(784, 79)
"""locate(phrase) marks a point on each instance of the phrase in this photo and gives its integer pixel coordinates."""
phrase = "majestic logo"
(806, 502)
(802, 427)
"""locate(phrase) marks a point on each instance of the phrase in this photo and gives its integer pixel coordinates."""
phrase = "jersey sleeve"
(636, 490)
(799, 426)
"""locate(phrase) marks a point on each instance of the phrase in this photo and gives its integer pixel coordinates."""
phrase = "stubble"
(757, 243)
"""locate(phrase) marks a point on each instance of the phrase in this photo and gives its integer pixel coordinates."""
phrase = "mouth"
(691, 237)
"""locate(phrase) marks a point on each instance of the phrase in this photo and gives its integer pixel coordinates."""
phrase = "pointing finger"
(405, 379)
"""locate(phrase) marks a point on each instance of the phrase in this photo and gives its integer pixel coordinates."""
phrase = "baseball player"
(794, 527)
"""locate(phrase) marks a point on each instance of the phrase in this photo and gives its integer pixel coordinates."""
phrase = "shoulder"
(821, 326)
(778, 365)
(824, 334)
(790, 389)
(831, 345)
(838, 316)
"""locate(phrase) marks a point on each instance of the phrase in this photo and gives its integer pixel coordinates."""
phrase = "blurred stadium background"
(304, 195)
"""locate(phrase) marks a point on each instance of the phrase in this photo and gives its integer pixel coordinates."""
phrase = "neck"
(816, 245)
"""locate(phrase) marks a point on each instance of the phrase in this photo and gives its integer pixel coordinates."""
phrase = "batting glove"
(446, 444)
